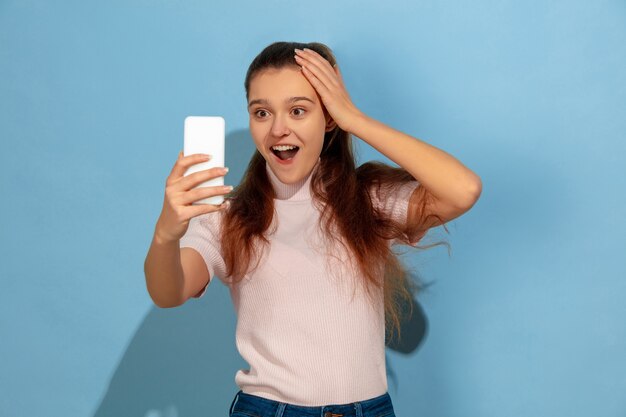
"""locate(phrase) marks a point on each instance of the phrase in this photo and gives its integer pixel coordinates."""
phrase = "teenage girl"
(304, 241)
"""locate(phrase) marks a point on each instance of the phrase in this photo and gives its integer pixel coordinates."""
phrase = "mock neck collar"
(298, 191)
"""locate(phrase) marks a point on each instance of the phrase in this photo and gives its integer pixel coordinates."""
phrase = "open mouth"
(285, 152)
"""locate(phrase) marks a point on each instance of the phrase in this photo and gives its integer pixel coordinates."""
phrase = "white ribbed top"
(309, 340)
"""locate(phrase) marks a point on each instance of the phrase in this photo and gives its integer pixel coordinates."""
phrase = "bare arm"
(445, 177)
(172, 274)
(163, 269)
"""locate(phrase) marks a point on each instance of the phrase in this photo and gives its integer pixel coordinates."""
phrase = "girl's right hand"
(177, 208)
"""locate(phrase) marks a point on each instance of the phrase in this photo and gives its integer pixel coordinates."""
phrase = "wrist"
(162, 240)
(357, 121)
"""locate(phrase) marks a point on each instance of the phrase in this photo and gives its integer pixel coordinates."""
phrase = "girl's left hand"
(328, 83)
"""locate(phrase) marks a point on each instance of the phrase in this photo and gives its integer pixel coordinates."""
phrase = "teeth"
(283, 147)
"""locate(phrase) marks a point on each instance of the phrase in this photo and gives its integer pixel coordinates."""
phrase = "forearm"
(440, 173)
(164, 273)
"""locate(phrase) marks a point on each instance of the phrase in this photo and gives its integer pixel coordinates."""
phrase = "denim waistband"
(255, 406)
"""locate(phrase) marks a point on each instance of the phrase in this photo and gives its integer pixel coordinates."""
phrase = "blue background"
(526, 316)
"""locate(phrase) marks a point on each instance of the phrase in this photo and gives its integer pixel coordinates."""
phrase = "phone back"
(205, 134)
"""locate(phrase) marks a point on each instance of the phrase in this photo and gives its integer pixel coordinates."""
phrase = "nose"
(280, 127)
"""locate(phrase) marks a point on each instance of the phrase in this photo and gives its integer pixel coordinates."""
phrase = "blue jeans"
(248, 405)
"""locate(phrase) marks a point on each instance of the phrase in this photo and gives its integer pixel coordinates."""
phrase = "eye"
(300, 113)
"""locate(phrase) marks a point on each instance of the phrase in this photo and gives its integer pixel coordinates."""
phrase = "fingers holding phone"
(181, 191)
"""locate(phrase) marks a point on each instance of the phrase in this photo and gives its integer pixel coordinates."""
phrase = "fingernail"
(225, 170)
(206, 156)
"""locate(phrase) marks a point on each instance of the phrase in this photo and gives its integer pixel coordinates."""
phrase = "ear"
(330, 123)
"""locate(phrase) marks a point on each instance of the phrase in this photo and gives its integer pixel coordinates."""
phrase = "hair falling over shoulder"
(342, 192)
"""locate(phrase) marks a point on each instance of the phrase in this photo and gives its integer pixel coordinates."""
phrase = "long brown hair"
(341, 191)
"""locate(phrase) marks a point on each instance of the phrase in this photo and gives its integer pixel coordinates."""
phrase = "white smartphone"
(205, 134)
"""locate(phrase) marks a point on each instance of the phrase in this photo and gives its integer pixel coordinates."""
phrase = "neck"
(298, 191)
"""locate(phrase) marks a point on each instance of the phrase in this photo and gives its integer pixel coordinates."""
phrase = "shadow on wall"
(413, 333)
(182, 361)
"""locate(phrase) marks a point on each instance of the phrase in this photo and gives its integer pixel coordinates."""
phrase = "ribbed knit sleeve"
(394, 201)
(203, 236)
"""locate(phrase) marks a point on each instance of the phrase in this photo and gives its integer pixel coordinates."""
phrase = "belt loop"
(280, 410)
(359, 411)
(230, 412)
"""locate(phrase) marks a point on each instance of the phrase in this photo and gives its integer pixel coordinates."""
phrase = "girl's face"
(284, 108)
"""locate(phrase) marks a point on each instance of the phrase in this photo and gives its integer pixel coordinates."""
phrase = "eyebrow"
(289, 100)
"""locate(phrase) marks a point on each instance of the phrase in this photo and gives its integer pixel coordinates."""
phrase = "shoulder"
(207, 223)
(209, 219)
(387, 196)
